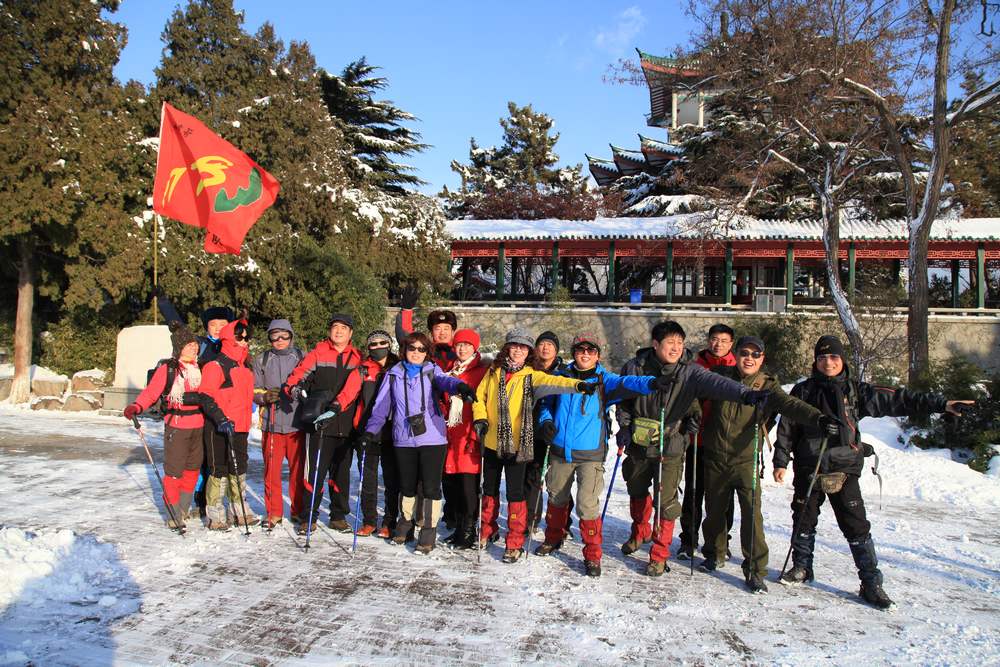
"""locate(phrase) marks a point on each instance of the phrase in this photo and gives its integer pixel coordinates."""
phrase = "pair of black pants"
(220, 463)
(334, 460)
(376, 453)
(466, 502)
(512, 470)
(424, 465)
(694, 499)
(451, 490)
(848, 507)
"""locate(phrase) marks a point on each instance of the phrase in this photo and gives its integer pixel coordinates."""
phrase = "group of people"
(445, 425)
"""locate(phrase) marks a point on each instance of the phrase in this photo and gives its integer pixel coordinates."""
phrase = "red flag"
(205, 181)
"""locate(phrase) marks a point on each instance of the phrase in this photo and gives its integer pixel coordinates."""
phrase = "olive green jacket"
(728, 434)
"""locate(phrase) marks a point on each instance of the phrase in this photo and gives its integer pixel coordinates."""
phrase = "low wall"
(623, 330)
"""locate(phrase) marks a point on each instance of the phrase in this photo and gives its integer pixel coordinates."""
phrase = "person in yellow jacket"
(503, 423)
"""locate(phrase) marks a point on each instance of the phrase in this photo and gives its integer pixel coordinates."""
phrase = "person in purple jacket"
(410, 397)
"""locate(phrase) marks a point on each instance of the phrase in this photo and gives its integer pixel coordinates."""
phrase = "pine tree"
(520, 179)
(373, 128)
(975, 170)
(68, 179)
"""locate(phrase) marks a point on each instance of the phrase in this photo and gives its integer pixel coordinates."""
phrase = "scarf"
(831, 399)
(412, 370)
(186, 373)
(525, 450)
(456, 406)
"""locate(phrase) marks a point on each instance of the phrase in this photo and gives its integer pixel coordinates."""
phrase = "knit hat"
(342, 318)
(549, 336)
(217, 313)
(280, 325)
(442, 317)
(586, 339)
(180, 336)
(519, 336)
(749, 340)
(466, 336)
(378, 335)
(828, 345)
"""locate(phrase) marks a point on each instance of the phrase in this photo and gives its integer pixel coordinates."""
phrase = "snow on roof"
(691, 225)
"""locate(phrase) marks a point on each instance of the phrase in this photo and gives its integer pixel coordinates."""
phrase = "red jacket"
(464, 455)
(326, 369)
(236, 398)
(189, 417)
(708, 361)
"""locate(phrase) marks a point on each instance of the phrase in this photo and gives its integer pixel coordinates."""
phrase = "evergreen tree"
(975, 170)
(519, 179)
(373, 128)
(68, 180)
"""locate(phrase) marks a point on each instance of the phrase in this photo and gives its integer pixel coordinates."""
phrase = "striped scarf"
(505, 434)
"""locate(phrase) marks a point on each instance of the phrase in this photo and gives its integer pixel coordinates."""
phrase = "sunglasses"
(751, 353)
(242, 337)
(416, 348)
(276, 337)
(585, 349)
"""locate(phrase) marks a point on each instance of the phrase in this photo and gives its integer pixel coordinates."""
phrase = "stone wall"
(977, 337)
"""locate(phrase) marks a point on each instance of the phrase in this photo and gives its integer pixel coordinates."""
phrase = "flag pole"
(156, 219)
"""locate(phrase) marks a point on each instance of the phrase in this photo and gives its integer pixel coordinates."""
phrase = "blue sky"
(455, 65)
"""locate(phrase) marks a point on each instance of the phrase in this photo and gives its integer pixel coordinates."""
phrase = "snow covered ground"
(91, 577)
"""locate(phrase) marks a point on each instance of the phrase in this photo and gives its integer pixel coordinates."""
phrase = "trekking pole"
(357, 507)
(267, 461)
(656, 488)
(538, 502)
(482, 494)
(805, 505)
(180, 527)
(239, 485)
(315, 483)
(614, 473)
(757, 466)
(695, 504)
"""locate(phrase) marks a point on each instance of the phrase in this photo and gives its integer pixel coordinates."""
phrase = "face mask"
(379, 353)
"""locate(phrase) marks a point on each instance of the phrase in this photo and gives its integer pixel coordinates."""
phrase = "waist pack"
(832, 482)
(646, 432)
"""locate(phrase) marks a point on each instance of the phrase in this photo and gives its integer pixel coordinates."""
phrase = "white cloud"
(620, 37)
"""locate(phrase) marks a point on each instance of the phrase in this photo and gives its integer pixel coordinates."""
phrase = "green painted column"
(956, 274)
(670, 272)
(610, 296)
(851, 270)
(980, 276)
(789, 274)
(728, 274)
(555, 264)
(501, 269)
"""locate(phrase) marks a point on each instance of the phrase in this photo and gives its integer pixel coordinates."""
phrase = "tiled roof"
(688, 226)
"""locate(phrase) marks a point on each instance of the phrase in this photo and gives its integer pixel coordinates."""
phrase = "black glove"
(366, 440)
(829, 425)
(587, 388)
(547, 431)
(691, 425)
(272, 396)
(480, 426)
(467, 393)
(408, 297)
(756, 398)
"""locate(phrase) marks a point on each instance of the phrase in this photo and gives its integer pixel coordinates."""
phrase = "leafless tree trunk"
(20, 389)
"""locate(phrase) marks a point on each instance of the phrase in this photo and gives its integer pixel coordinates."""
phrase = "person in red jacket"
(328, 382)
(719, 352)
(229, 381)
(464, 457)
(177, 380)
(380, 359)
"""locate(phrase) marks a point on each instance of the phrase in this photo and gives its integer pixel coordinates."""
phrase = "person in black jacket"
(838, 461)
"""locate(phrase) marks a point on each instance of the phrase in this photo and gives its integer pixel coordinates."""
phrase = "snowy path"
(212, 598)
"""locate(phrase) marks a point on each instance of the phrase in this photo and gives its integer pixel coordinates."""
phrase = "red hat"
(587, 338)
(466, 336)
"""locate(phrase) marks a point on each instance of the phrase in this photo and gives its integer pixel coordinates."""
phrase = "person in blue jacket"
(575, 426)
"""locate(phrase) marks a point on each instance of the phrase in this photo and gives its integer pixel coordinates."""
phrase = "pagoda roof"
(663, 65)
(605, 172)
(629, 162)
(691, 226)
(654, 145)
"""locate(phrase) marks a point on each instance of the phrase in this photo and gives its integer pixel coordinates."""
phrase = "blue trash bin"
(635, 296)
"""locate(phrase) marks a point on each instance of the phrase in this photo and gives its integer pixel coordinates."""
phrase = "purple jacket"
(390, 405)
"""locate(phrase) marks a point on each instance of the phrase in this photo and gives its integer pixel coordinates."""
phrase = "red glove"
(131, 411)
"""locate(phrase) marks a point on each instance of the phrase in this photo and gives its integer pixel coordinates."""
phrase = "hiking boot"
(403, 532)
(295, 519)
(544, 549)
(797, 575)
(340, 525)
(756, 584)
(384, 532)
(685, 552)
(656, 568)
(272, 522)
(428, 536)
(710, 565)
(512, 555)
(366, 530)
(874, 595)
(455, 536)
(633, 545)
(304, 528)
(593, 568)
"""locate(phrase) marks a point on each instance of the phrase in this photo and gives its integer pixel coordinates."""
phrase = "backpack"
(171, 364)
